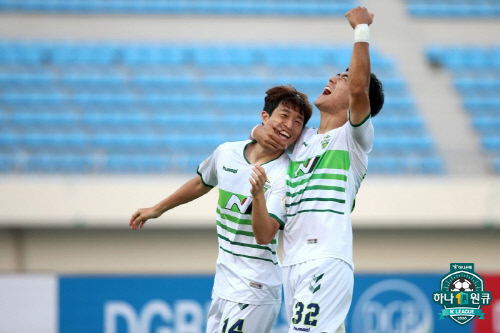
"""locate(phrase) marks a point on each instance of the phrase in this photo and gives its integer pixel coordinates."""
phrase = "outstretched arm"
(263, 225)
(191, 190)
(359, 69)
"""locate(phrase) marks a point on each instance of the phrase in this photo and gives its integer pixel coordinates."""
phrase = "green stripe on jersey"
(331, 159)
(255, 246)
(239, 232)
(316, 187)
(234, 219)
(315, 210)
(316, 199)
(317, 176)
(245, 256)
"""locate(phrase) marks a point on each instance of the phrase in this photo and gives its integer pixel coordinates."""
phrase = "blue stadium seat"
(220, 7)
(110, 102)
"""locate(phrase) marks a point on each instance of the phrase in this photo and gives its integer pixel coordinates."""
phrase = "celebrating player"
(247, 289)
(326, 170)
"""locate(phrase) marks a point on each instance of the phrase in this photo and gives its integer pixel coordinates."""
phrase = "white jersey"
(246, 272)
(323, 178)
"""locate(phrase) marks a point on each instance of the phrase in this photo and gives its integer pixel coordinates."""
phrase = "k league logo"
(462, 294)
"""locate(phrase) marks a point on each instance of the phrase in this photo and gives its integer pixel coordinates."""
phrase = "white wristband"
(362, 33)
(251, 133)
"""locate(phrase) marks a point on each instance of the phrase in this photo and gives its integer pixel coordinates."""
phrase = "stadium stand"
(150, 108)
(203, 7)
(454, 8)
(476, 78)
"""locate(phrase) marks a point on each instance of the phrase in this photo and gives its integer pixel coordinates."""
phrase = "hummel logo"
(229, 169)
(315, 286)
(305, 144)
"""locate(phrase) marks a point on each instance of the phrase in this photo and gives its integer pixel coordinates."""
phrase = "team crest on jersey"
(244, 206)
(267, 185)
(308, 167)
(325, 141)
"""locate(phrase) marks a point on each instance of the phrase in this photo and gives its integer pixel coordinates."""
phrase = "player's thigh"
(289, 285)
(247, 318)
(215, 314)
(323, 298)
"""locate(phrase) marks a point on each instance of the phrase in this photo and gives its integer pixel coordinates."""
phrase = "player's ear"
(264, 116)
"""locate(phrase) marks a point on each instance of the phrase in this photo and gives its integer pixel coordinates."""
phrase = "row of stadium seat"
(161, 163)
(476, 77)
(137, 141)
(26, 53)
(417, 8)
(240, 7)
(454, 8)
(118, 108)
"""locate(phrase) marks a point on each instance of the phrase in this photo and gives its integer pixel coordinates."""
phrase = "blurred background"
(107, 106)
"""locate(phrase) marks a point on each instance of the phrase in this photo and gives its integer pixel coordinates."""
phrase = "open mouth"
(327, 91)
(284, 135)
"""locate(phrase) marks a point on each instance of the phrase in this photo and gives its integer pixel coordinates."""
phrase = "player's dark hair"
(375, 94)
(288, 96)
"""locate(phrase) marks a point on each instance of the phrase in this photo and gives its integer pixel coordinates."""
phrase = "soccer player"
(246, 296)
(326, 170)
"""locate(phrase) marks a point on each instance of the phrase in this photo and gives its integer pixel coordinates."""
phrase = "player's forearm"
(359, 70)
(190, 191)
(359, 83)
(263, 225)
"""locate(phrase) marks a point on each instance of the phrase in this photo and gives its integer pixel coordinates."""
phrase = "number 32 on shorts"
(312, 310)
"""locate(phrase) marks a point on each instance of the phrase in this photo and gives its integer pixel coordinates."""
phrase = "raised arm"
(191, 190)
(263, 225)
(359, 69)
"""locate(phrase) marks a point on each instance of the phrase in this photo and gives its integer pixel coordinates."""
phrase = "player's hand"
(140, 217)
(258, 180)
(268, 137)
(359, 15)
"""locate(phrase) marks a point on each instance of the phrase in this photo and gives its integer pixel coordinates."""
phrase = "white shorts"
(230, 317)
(318, 295)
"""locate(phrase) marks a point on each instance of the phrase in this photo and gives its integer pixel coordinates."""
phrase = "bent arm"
(263, 225)
(191, 190)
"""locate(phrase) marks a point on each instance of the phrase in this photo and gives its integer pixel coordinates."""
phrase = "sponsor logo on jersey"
(312, 241)
(462, 294)
(244, 206)
(229, 169)
(309, 166)
(302, 329)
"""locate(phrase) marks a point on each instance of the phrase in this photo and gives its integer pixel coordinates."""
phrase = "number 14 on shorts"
(236, 328)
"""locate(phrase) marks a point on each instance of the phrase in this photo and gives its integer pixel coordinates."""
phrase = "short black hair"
(376, 95)
(288, 96)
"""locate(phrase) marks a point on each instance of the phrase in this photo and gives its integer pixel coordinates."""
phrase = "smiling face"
(336, 94)
(286, 122)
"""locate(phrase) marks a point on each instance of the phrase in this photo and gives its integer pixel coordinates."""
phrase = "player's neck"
(331, 120)
(256, 154)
